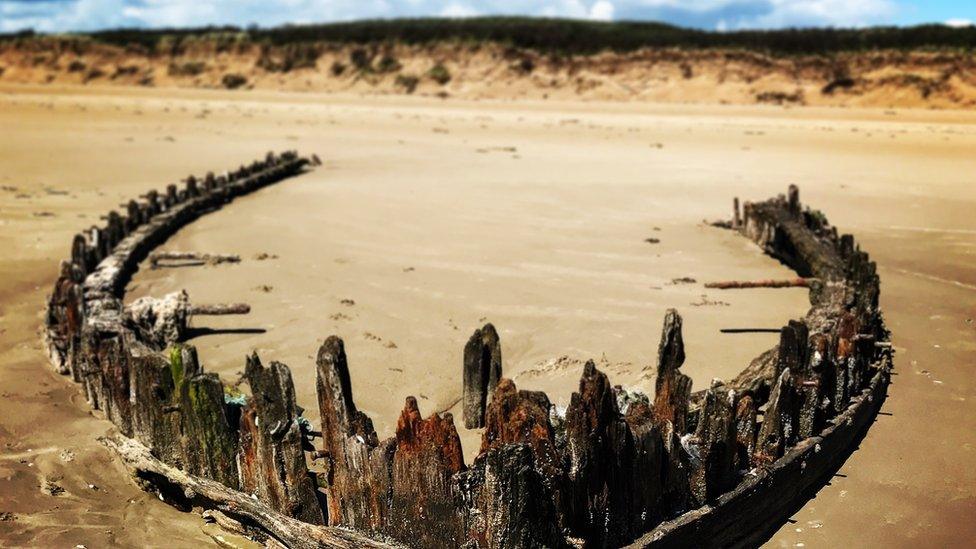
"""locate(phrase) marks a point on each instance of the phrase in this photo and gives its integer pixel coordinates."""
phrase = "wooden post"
(716, 442)
(156, 413)
(745, 432)
(672, 388)
(482, 370)
(359, 467)
(79, 255)
(209, 442)
(794, 199)
(133, 216)
(116, 228)
(779, 422)
(427, 455)
(272, 459)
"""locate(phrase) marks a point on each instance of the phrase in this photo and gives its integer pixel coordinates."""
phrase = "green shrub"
(361, 59)
(439, 73)
(188, 68)
(125, 70)
(388, 63)
(289, 57)
(524, 66)
(93, 73)
(408, 82)
(544, 36)
(780, 98)
(233, 81)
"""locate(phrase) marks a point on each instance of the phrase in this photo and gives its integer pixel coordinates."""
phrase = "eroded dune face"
(479, 71)
(475, 197)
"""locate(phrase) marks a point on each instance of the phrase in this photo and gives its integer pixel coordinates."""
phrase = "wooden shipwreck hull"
(724, 466)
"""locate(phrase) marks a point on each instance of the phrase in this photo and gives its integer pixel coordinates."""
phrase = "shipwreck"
(722, 466)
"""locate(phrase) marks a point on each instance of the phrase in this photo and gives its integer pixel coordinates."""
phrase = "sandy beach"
(432, 217)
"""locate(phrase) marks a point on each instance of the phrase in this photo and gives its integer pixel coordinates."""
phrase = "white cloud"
(832, 13)
(456, 9)
(602, 11)
(959, 23)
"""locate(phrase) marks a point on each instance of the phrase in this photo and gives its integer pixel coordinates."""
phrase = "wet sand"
(434, 217)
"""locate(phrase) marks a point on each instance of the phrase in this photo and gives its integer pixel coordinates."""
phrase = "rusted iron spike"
(741, 284)
(750, 330)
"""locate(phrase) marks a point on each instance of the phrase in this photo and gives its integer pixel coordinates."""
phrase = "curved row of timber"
(720, 467)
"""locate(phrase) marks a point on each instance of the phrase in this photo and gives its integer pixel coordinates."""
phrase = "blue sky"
(80, 15)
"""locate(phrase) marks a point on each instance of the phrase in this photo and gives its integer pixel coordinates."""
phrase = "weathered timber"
(779, 424)
(758, 378)
(672, 388)
(209, 441)
(205, 492)
(272, 459)
(621, 462)
(813, 383)
(679, 464)
(781, 234)
(358, 468)
(113, 360)
(482, 370)
(427, 456)
(793, 347)
(219, 309)
(749, 514)
(156, 258)
(164, 321)
(793, 199)
(156, 412)
(160, 322)
(516, 416)
(650, 464)
(515, 505)
(599, 450)
(745, 433)
(715, 437)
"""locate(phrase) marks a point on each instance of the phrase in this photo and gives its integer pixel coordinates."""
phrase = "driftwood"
(219, 309)
(164, 321)
(741, 284)
(156, 258)
(183, 487)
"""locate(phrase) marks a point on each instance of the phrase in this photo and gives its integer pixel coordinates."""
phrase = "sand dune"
(886, 79)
